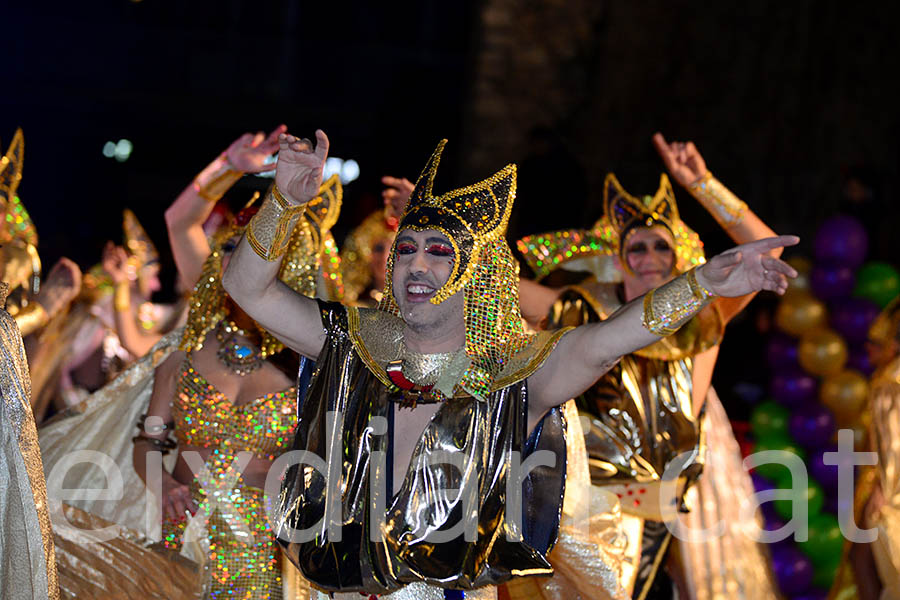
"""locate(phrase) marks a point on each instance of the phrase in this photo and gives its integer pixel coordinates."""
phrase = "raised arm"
(185, 217)
(396, 193)
(137, 342)
(585, 353)
(685, 163)
(251, 278)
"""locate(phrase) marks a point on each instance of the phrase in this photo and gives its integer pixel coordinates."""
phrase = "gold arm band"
(218, 182)
(670, 306)
(31, 318)
(122, 297)
(269, 231)
(726, 208)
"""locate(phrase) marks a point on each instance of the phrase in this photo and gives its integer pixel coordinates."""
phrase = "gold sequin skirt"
(244, 561)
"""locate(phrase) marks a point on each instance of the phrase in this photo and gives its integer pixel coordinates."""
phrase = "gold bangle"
(218, 183)
(269, 231)
(122, 297)
(670, 306)
(31, 318)
(726, 208)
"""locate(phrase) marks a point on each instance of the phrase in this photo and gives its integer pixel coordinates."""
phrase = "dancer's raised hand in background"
(299, 172)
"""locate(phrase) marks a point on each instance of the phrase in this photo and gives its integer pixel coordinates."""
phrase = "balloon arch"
(818, 384)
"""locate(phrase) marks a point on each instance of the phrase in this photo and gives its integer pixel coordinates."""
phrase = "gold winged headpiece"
(595, 249)
(474, 220)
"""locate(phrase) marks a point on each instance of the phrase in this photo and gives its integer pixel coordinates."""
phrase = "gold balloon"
(822, 352)
(803, 266)
(845, 395)
(799, 312)
(801, 263)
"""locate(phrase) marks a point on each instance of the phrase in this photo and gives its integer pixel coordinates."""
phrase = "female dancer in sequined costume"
(657, 403)
(227, 390)
(220, 390)
(218, 397)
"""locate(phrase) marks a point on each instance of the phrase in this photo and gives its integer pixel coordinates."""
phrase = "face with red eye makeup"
(649, 253)
(423, 262)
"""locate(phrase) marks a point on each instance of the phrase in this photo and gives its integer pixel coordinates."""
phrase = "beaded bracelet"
(670, 306)
(269, 231)
(726, 208)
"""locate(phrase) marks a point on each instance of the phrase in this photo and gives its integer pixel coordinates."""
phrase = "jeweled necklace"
(416, 375)
(241, 357)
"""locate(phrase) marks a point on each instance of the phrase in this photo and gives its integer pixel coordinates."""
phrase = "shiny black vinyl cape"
(486, 439)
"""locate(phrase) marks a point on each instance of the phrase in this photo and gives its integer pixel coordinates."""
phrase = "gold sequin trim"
(269, 232)
(218, 183)
(670, 306)
(726, 208)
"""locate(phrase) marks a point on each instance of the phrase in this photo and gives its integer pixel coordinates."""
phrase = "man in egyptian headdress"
(420, 411)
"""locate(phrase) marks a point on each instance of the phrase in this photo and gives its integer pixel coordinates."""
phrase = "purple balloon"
(851, 317)
(859, 360)
(836, 505)
(760, 483)
(781, 353)
(794, 387)
(812, 594)
(827, 475)
(841, 240)
(829, 282)
(772, 522)
(831, 505)
(812, 425)
(793, 570)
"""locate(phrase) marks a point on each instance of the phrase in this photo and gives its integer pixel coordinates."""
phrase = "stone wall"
(782, 98)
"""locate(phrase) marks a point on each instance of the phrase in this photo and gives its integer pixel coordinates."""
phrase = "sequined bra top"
(205, 417)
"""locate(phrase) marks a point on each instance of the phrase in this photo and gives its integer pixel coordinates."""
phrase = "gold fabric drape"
(885, 405)
(27, 558)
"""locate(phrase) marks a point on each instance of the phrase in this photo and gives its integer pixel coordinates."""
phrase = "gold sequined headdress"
(311, 259)
(21, 265)
(96, 283)
(138, 244)
(474, 219)
(594, 249)
(17, 223)
(625, 213)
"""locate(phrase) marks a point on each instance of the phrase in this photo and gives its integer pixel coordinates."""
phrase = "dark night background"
(787, 101)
